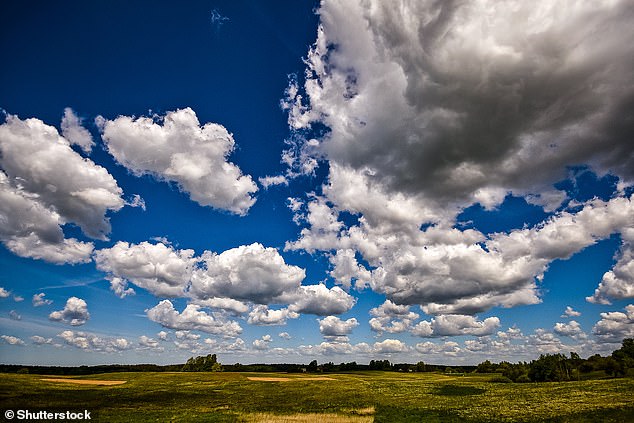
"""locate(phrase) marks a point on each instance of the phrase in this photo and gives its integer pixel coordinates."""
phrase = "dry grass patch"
(86, 381)
(303, 418)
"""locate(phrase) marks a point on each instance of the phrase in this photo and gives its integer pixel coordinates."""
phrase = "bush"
(523, 379)
(501, 379)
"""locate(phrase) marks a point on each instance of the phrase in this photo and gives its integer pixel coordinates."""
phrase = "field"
(348, 397)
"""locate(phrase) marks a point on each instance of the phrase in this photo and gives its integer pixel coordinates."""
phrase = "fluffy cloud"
(618, 283)
(4, 293)
(346, 269)
(449, 348)
(158, 268)
(456, 325)
(615, 326)
(182, 151)
(261, 315)
(332, 327)
(14, 315)
(262, 343)
(91, 342)
(40, 340)
(319, 300)
(391, 318)
(11, 340)
(192, 318)
(570, 312)
(473, 95)
(250, 273)
(390, 346)
(74, 132)
(75, 312)
(37, 196)
(38, 300)
(572, 329)
(147, 343)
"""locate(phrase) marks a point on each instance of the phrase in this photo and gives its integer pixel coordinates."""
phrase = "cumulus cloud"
(269, 181)
(38, 196)
(347, 269)
(74, 132)
(158, 268)
(91, 342)
(192, 318)
(182, 151)
(40, 340)
(333, 328)
(473, 97)
(284, 335)
(390, 346)
(570, 312)
(319, 299)
(456, 325)
(262, 343)
(74, 313)
(249, 272)
(618, 283)
(571, 329)
(449, 348)
(4, 293)
(14, 315)
(11, 340)
(391, 318)
(615, 326)
(38, 300)
(147, 343)
(261, 315)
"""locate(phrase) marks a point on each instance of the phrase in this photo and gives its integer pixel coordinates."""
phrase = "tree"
(202, 364)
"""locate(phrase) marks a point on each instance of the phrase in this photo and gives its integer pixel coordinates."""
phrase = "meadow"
(344, 397)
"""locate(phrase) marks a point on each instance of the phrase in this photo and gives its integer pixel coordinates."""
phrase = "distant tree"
(420, 367)
(549, 368)
(207, 363)
(486, 367)
(312, 367)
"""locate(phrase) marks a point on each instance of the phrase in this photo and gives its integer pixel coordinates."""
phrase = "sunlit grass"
(357, 397)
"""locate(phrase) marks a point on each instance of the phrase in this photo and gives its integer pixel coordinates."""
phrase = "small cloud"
(38, 300)
(18, 298)
(268, 181)
(136, 201)
(570, 312)
(217, 19)
(284, 335)
(14, 315)
(4, 293)
(75, 312)
(12, 340)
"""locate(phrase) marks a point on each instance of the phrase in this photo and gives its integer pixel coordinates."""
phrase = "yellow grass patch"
(287, 379)
(86, 381)
(303, 418)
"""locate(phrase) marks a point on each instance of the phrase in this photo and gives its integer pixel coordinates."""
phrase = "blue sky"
(295, 180)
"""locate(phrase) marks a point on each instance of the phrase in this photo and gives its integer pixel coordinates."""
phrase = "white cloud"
(570, 312)
(158, 268)
(284, 335)
(261, 315)
(162, 335)
(391, 318)
(40, 340)
(262, 343)
(571, 328)
(615, 326)
(74, 132)
(250, 273)
(192, 318)
(38, 300)
(182, 151)
(346, 269)
(4, 293)
(319, 300)
(456, 325)
(269, 181)
(91, 342)
(147, 343)
(75, 312)
(390, 346)
(333, 327)
(11, 340)
(618, 283)
(448, 348)
(14, 315)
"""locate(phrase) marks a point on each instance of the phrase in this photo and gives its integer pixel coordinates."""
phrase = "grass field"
(351, 397)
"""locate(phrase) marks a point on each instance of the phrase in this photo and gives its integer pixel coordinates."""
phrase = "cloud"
(248, 273)
(37, 196)
(618, 283)
(14, 315)
(4, 293)
(284, 335)
(38, 300)
(390, 346)
(91, 342)
(75, 312)
(11, 340)
(181, 151)
(269, 181)
(570, 312)
(74, 132)
(448, 348)
(319, 300)
(40, 340)
(261, 315)
(158, 268)
(147, 343)
(571, 329)
(192, 318)
(615, 326)
(456, 325)
(474, 97)
(391, 318)
(346, 269)
(262, 343)
(334, 328)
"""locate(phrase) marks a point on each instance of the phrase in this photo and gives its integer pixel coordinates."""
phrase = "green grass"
(393, 397)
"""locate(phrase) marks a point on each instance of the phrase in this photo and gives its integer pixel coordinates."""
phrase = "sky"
(445, 182)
